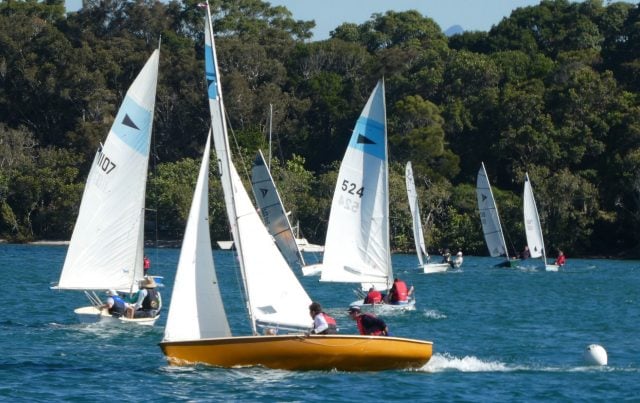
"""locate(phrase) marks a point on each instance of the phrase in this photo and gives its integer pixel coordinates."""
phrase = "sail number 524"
(351, 187)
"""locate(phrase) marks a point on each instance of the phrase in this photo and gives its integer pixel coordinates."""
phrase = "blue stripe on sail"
(132, 125)
(368, 137)
(212, 81)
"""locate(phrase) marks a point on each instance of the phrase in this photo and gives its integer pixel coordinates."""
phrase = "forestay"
(106, 247)
(196, 310)
(357, 247)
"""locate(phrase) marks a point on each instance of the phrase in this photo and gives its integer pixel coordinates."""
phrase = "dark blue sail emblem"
(362, 139)
(128, 122)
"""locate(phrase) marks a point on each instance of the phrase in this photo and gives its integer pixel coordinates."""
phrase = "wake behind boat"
(197, 329)
(106, 247)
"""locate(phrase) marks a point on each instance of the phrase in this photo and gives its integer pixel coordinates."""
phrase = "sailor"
(446, 256)
(368, 324)
(149, 301)
(373, 296)
(457, 261)
(399, 293)
(115, 304)
(561, 259)
(322, 323)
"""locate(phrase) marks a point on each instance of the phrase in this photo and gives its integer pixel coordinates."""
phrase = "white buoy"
(595, 354)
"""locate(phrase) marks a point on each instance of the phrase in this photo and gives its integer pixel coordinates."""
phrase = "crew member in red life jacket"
(399, 293)
(373, 297)
(368, 323)
(146, 264)
(322, 323)
(561, 259)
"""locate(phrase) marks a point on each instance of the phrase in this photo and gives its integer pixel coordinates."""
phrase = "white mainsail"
(489, 217)
(412, 194)
(196, 310)
(357, 247)
(532, 226)
(106, 248)
(273, 213)
(275, 297)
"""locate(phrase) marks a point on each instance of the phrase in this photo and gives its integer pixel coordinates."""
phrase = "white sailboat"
(532, 226)
(273, 213)
(275, 300)
(418, 235)
(357, 247)
(491, 227)
(106, 247)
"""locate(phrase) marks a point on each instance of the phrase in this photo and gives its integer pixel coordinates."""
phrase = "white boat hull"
(91, 314)
(312, 270)
(551, 267)
(385, 308)
(430, 268)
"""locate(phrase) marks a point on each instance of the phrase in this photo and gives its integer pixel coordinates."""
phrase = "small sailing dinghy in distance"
(418, 235)
(532, 226)
(491, 227)
(276, 301)
(106, 247)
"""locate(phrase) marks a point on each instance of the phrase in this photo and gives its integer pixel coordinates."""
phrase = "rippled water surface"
(499, 335)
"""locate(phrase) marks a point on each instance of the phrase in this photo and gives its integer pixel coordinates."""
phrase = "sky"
(471, 15)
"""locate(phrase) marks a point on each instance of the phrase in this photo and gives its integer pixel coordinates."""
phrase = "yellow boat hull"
(299, 352)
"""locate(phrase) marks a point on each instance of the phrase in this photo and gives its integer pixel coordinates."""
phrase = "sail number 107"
(105, 163)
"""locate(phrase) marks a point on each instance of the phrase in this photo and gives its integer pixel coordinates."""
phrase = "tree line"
(552, 90)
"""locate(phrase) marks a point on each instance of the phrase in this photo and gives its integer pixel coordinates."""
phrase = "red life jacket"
(373, 297)
(363, 331)
(330, 321)
(400, 293)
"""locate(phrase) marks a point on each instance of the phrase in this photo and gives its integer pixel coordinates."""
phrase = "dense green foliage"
(552, 90)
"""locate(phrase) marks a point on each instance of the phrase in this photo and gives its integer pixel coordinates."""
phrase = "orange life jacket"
(373, 297)
(400, 292)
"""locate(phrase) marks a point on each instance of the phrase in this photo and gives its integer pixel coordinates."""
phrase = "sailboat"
(276, 301)
(418, 236)
(106, 247)
(273, 213)
(491, 227)
(532, 226)
(357, 247)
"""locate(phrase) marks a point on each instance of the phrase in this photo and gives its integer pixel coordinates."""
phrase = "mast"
(227, 167)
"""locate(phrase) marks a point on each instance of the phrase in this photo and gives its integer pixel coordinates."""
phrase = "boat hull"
(551, 267)
(299, 352)
(91, 314)
(430, 268)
